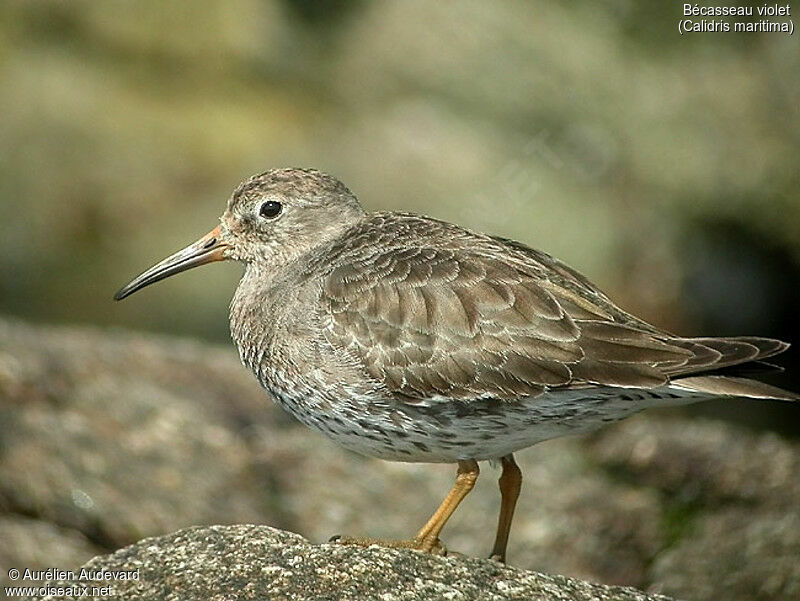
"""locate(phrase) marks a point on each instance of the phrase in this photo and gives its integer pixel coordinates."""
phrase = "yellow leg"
(466, 477)
(427, 539)
(510, 483)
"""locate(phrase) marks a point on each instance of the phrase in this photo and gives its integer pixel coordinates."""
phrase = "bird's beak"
(207, 249)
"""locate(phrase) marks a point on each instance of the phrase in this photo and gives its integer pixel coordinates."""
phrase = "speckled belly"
(444, 431)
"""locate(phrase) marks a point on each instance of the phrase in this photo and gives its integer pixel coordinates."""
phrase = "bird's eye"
(270, 209)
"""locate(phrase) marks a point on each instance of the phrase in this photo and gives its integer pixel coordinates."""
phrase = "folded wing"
(435, 322)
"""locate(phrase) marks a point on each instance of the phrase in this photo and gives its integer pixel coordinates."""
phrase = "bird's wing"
(431, 322)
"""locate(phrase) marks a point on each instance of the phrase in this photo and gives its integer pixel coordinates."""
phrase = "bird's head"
(271, 219)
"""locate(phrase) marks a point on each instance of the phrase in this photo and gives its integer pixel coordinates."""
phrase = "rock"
(36, 544)
(735, 553)
(107, 437)
(729, 509)
(257, 562)
(115, 437)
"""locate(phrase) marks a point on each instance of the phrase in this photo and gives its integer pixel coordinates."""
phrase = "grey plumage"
(412, 339)
(350, 318)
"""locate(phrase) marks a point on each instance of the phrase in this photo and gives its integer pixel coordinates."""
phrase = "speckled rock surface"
(256, 562)
(107, 437)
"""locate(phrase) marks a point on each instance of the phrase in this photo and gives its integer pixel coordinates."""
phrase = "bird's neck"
(250, 310)
(260, 312)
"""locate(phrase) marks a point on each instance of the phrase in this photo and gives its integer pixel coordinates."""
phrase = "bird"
(412, 339)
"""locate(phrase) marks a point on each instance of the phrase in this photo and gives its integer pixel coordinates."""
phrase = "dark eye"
(270, 209)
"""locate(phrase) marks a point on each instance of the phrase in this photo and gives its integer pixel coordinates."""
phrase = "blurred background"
(664, 167)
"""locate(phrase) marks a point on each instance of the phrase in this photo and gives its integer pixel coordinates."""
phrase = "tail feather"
(737, 387)
(715, 353)
(712, 354)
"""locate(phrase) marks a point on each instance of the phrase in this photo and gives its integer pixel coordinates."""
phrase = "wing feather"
(452, 314)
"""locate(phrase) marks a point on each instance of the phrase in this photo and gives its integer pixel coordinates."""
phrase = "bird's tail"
(732, 386)
(711, 354)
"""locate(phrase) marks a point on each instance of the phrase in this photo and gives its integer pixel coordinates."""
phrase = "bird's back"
(432, 310)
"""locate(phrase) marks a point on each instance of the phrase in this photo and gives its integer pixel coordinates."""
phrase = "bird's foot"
(435, 547)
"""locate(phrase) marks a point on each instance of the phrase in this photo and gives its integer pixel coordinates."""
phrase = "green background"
(664, 167)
